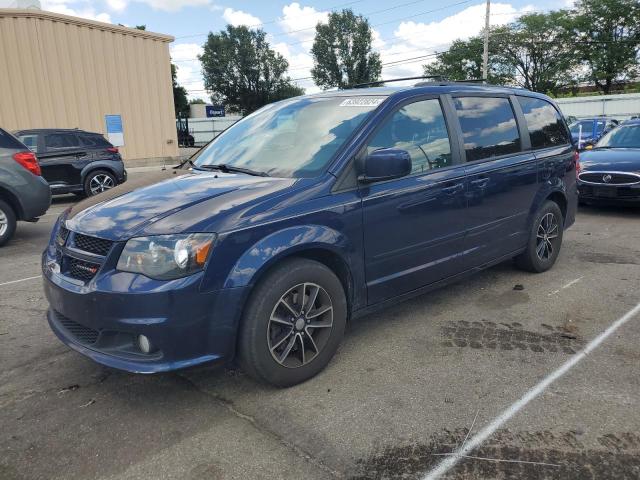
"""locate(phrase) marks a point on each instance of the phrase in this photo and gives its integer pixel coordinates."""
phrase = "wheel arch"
(314, 242)
(9, 197)
(560, 199)
(97, 166)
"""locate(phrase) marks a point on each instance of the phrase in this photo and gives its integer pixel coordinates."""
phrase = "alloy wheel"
(300, 325)
(547, 236)
(4, 223)
(100, 183)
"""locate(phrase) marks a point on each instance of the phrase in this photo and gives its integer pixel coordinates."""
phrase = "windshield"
(625, 136)
(587, 127)
(293, 138)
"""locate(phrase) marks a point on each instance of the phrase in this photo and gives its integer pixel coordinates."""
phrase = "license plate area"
(606, 192)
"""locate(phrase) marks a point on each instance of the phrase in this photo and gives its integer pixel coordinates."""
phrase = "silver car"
(24, 194)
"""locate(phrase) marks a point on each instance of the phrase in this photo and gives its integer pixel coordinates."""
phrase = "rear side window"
(585, 125)
(545, 124)
(9, 141)
(60, 140)
(489, 127)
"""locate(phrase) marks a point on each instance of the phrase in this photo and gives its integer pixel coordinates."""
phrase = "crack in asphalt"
(298, 451)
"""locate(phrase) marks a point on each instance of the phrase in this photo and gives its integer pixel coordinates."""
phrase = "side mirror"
(385, 164)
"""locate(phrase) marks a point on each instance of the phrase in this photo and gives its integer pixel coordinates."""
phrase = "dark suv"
(75, 161)
(307, 213)
(24, 195)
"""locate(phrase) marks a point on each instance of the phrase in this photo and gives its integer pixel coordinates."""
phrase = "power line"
(275, 20)
(463, 2)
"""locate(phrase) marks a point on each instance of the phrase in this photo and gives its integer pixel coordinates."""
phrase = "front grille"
(82, 334)
(81, 270)
(610, 178)
(97, 246)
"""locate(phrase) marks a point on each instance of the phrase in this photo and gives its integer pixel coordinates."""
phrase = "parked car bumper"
(609, 194)
(35, 199)
(186, 327)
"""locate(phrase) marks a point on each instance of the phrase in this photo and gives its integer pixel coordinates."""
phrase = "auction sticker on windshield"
(362, 102)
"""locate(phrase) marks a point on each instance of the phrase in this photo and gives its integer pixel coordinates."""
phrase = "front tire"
(545, 240)
(293, 323)
(7, 222)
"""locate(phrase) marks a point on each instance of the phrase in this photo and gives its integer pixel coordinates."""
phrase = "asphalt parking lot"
(405, 388)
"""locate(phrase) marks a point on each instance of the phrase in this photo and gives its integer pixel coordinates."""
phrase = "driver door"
(414, 226)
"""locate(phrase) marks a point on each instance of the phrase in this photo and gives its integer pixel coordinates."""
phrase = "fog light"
(144, 344)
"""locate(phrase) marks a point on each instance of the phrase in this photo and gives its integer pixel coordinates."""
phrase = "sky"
(407, 33)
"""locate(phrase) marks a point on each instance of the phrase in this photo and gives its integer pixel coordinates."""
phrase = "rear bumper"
(186, 327)
(35, 199)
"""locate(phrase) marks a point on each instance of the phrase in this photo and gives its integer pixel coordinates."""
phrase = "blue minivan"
(305, 214)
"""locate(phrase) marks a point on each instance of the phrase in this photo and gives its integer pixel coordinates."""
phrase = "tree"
(463, 61)
(243, 72)
(180, 102)
(342, 52)
(540, 48)
(608, 39)
(196, 101)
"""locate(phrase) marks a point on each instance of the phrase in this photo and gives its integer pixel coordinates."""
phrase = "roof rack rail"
(439, 78)
(451, 82)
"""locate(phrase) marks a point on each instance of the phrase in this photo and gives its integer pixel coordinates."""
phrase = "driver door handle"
(480, 182)
(453, 189)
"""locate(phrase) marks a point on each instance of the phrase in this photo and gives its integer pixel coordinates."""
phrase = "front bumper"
(103, 318)
(610, 194)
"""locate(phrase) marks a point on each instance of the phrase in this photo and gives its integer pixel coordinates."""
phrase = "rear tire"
(293, 323)
(545, 240)
(7, 222)
(98, 181)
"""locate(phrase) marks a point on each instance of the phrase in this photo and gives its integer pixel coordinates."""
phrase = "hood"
(611, 159)
(194, 198)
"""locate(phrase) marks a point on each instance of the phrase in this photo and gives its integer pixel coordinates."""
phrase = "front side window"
(545, 124)
(420, 129)
(488, 125)
(293, 138)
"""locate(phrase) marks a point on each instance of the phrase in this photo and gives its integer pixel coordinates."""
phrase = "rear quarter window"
(30, 140)
(545, 124)
(488, 125)
(93, 140)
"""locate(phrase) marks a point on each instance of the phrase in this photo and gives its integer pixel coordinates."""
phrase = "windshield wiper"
(223, 167)
(183, 163)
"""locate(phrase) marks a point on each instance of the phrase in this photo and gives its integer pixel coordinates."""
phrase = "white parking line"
(457, 455)
(572, 282)
(21, 280)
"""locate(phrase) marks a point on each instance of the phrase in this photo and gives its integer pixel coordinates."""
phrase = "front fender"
(283, 243)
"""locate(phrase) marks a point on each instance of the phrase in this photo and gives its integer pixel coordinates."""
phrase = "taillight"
(29, 161)
(112, 150)
(576, 161)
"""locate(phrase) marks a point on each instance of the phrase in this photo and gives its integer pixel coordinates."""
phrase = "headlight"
(165, 257)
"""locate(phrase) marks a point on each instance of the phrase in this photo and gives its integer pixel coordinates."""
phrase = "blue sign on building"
(214, 110)
(115, 133)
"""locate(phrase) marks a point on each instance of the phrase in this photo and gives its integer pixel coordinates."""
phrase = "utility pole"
(485, 53)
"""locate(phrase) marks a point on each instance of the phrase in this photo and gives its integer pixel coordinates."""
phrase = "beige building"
(58, 71)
